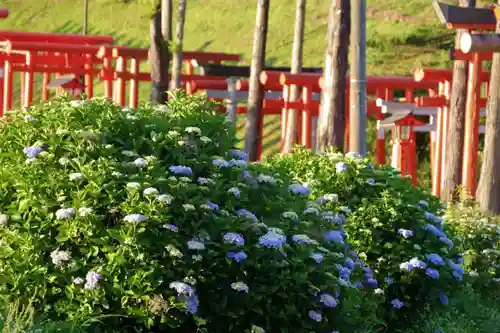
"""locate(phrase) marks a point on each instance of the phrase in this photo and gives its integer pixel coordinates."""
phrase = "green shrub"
(391, 224)
(479, 243)
(150, 217)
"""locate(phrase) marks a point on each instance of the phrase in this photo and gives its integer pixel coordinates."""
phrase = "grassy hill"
(402, 34)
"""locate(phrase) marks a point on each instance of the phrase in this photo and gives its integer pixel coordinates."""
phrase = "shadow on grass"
(119, 38)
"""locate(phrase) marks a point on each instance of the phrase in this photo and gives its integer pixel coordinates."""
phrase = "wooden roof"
(462, 17)
(66, 82)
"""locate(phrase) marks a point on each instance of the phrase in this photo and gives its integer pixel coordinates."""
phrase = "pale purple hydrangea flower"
(341, 167)
(135, 218)
(239, 154)
(65, 213)
(299, 189)
(405, 233)
(272, 239)
(240, 286)
(316, 316)
(218, 163)
(238, 164)
(234, 238)
(237, 256)
(181, 170)
(328, 300)
(181, 288)
(397, 304)
(417, 263)
(92, 280)
(317, 257)
(32, 152)
(195, 245)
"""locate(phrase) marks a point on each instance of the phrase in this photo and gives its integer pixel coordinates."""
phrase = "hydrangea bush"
(393, 226)
(479, 244)
(148, 216)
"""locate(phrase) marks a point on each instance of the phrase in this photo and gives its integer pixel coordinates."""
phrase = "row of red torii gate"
(61, 59)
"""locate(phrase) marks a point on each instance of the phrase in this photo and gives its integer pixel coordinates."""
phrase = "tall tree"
(158, 57)
(177, 51)
(292, 124)
(331, 122)
(488, 191)
(452, 174)
(255, 89)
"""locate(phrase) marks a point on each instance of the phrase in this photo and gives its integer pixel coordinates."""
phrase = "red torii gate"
(4, 13)
(476, 20)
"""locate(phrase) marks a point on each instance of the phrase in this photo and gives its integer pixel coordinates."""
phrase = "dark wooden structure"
(212, 69)
(456, 17)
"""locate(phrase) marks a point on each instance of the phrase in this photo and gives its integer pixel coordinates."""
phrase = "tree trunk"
(166, 29)
(452, 173)
(488, 192)
(177, 51)
(255, 91)
(158, 58)
(331, 122)
(292, 124)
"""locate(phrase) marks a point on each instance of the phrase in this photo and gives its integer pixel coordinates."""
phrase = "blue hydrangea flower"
(237, 256)
(345, 273)
(220, 163)
(334, 236)
(389, 280)
(234, 238)
(272, 239)
(397, 304)
(446, 241)
(432, 273)
(240, 286)
(371, 181)
(372, 283)
(434, 219)
(180, 170)
(245, 213)
(349, 263)
(328, 300)
(417, 263)
(341, 167)
(358, 285)
(239, 154)
(171, 227)
(405, 266)
(234, 191)
(299, 189)
(443, 298)
(316, 316)
(303, 239)
(237, 164)
(405, 233)
(317, 257)
(435, 259)
(435, 231)
(192, 304)
(181, 288)
(32, 152)
(212, 205)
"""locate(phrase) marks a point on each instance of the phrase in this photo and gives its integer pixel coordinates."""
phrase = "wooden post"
(255, 90)
(175, 83)
(452, 171)
(488, 193)
(298, 43)
(357, 117)
(471, 138)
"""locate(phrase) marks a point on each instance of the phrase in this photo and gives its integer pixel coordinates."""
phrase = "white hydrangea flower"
(173, 134)
(64, 161)
(195, 245)
(85, 211)
(150, 191)
(65, 213)
(188, 207)
(332, 197)
(205, 139)
(135, 218)
(133, 186)
(193, 130)
(76, 176)
(165, 198)
(140, 163)
(4, 218)
(261, 178)
(62, 132)
(128, 153)
(60, 257)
